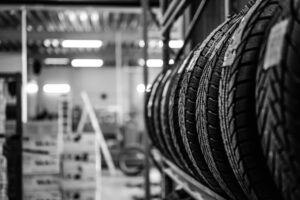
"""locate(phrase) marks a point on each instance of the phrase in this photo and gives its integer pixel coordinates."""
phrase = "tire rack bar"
(145, 9)
(188, 183)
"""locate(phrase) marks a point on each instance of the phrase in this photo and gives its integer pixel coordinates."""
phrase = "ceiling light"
(160, 44)
(171, 62)
(72, 16)
(56, 61)
(154, 62)
(56, 88)
(95, 16)
(83, 16)
(32, 87)
(87, 63)
(47, 43)
(82, 43)
(140, 88)
(175, 44)
(141, 43)
(55, 42)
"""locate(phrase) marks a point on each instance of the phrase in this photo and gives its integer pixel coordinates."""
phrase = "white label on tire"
(275, 44)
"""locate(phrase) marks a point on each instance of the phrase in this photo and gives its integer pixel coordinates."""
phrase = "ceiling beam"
(111, 3)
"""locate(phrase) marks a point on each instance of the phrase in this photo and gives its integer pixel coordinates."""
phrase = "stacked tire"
(228, 114)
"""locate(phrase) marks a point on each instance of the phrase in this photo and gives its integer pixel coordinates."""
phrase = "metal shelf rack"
(171, 11)
(188, 183)
(13, 143)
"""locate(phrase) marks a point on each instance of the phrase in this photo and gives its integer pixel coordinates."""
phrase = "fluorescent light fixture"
(82, 43)
(32, 87)
(175, 44)
(95, 16)
(87, 63)
(83, 16)
(56, 88)
(140, 88)
(56, 61)
(154, 62)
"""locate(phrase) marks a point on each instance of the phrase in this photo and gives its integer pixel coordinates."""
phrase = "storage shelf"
(188, 183)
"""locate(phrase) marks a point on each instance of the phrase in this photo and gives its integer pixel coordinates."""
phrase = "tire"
(166, 132)
(278, 102)
(149, 112)
(186, 112)
(157, 116)
(124, 155)
(208, 124)
(174, 123)
(237, 108)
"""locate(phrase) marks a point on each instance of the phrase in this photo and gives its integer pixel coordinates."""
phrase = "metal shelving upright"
(13, 143)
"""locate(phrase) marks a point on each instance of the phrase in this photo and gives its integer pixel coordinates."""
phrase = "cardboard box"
(86, 142)
(42, 136)
(42, 195)
(78, 176)
(41, 183)
(79, 195)
(34, 164)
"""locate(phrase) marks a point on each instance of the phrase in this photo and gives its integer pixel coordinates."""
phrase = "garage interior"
(149, 100)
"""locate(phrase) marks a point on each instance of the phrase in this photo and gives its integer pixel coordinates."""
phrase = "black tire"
(237, 108)
(157, 117)
(186, 112)
(166, 132)
(174, 123)
(208, 124)
(278, 102)
(125, 155)
(149, 112)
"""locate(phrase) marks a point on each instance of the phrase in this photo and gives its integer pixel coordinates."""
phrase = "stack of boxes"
(41, 161)
(79, 171)
(3, 160)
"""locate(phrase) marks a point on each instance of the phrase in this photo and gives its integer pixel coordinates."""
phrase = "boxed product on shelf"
(79, 195)
(42, 195)
(34, 163)
(41, 183)
(82, 156)
(78, 175)
(86, 141)
(41, 136)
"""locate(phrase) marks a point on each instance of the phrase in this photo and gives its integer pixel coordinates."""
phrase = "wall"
(10, 62)
(94, 82)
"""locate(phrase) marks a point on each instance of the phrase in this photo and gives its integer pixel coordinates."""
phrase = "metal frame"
(17, 188)
(172, 175)
(109, 3)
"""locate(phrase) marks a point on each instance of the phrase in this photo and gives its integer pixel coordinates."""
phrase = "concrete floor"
(116, 187)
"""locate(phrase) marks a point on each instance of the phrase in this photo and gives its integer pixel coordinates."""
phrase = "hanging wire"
(294, 10)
